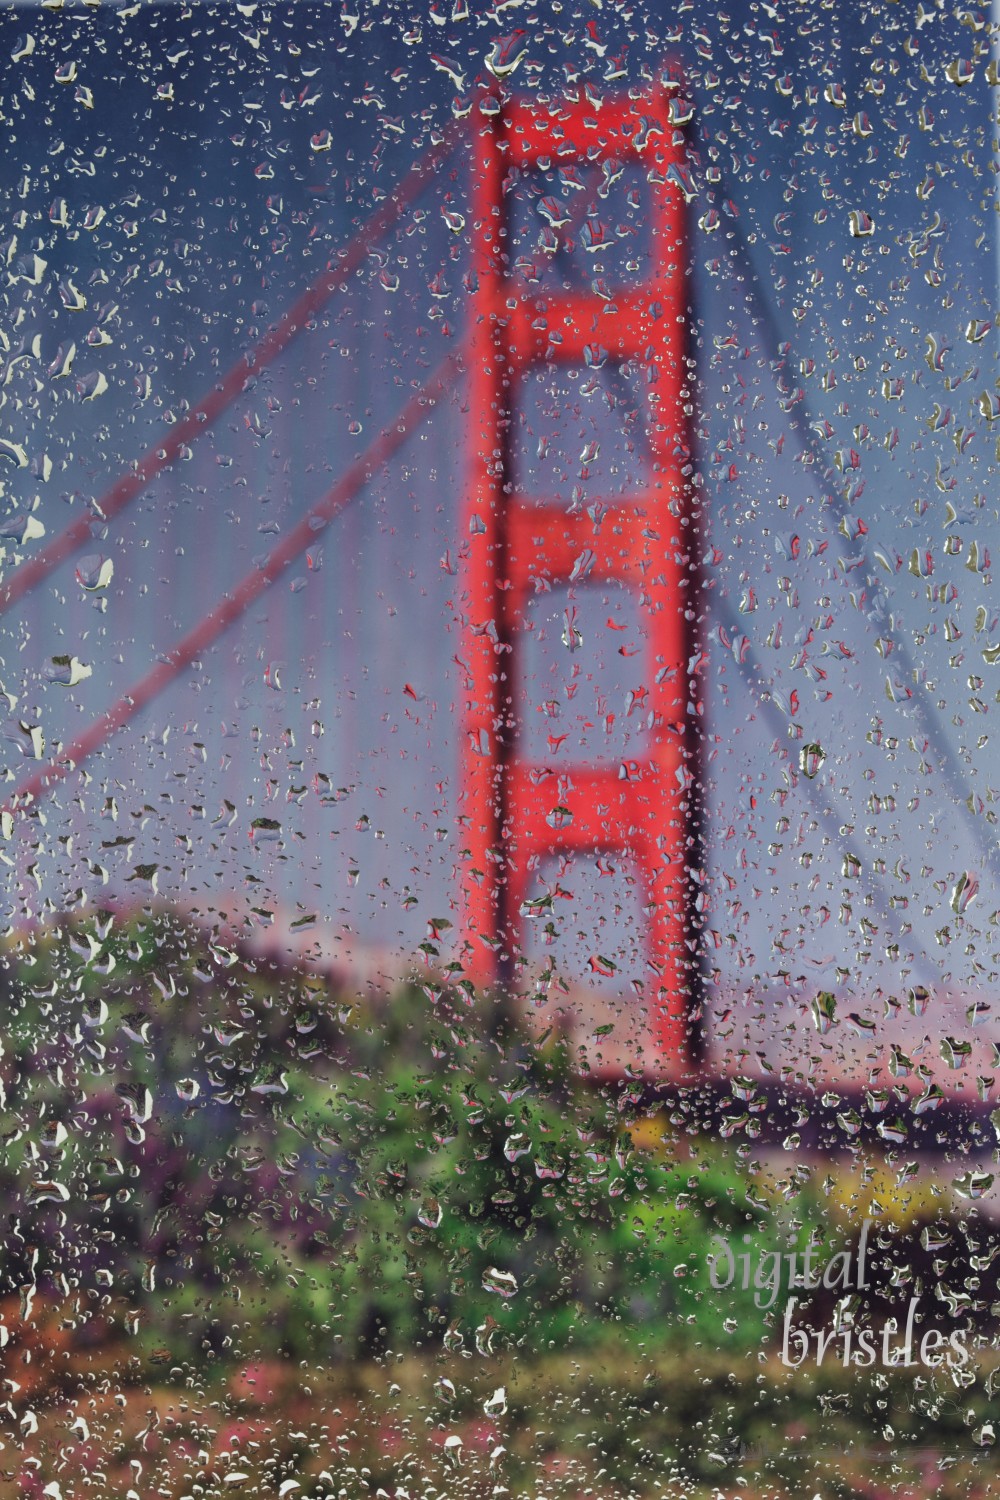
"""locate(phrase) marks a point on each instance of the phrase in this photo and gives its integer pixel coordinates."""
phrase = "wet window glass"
(498, 670)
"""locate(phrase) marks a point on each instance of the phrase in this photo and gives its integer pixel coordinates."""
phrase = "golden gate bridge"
(513, 810)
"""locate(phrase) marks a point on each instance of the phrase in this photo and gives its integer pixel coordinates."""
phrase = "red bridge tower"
(641, 811)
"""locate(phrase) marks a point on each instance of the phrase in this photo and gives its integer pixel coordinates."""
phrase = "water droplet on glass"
(503, 1283)
(811, 758)
(95, 572)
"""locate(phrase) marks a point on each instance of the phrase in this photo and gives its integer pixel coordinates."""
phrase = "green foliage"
(256, 1164)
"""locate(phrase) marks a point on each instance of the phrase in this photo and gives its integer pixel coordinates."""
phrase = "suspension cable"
(801, 426)
(201, 416)
(247, 591)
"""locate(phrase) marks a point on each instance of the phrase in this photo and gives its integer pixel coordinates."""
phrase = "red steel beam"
(246, 592)
(617, 127)
(482, 519)
(201, 416)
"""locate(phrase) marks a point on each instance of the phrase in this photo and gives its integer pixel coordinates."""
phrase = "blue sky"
(185, 172)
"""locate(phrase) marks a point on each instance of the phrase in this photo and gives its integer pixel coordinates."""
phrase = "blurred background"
(176, 178)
